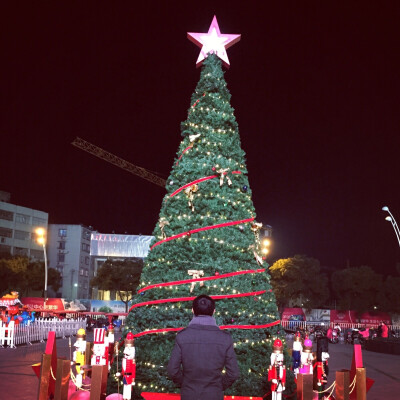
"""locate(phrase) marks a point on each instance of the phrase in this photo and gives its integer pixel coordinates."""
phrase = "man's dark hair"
(203, 305)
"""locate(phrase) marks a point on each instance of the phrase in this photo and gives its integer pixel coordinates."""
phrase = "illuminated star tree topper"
(213, 42)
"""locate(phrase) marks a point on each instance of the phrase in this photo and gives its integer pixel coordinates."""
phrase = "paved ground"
(18, 382)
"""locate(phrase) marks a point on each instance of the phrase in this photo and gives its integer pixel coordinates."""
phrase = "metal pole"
(45, 275)
(395, 227)
(394, 223)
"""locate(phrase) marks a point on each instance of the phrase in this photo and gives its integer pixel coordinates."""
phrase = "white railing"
(14, 335)
(306, 325)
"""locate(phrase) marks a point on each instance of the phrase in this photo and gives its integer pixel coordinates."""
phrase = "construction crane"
(119, 162)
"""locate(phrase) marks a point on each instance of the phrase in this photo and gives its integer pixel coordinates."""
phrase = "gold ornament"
(196, 274)
(162, 223)
(190, 191)
(223, 172)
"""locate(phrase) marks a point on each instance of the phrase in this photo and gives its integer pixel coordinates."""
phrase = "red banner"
(52, 304)
(293, 314)
(352, 317)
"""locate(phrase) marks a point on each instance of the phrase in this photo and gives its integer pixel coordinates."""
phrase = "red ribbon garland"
(208, 278)
(176, 299)
(205, 228)
(164, 330)
(206, 178)
(183, 152)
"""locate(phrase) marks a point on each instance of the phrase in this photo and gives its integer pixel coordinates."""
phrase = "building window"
(4, 249)
(81, 272)
(86, 247)
(37, 254)
(39, 221)
(22, 235)
(86, 272)
(23, 218)
(7, 215)
(87, 260)
(60, 257)
(86, 285)
(61, 245)
(20, 251)
(62, 233)
(5, 232)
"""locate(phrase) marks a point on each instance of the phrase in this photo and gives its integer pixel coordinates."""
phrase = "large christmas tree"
(206, 242)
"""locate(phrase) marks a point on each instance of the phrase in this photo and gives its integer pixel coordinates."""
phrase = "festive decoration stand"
(206, 241)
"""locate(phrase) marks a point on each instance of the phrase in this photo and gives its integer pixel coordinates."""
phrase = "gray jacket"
(203, 350)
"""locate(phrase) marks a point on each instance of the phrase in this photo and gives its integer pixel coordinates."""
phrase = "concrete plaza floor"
(18, 382)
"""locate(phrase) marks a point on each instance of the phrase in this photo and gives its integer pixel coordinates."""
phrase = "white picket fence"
(14, 335)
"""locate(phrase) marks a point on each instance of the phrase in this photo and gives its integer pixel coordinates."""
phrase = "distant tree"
(358, 289)
(22, 275)
(122, 277)
(298, 281)
(34, 278)
(105, 309)
(389, 298)
(12, 273)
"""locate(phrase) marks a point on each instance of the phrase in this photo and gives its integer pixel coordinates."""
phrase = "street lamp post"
(393, 222)
(42, 241)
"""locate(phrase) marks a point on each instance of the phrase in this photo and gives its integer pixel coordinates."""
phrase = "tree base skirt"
(175, 396)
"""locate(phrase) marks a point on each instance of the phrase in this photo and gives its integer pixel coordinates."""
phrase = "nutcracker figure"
(128, 367)
(109, 345)
(277, 371)
(98, 347)
(307, 358)
(296, 353)
(321, 369)
(78, 356)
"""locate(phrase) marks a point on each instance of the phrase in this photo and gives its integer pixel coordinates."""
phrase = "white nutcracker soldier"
(277, 371)
(78, 356)
(128, 367)
(307, 358)
(321, 369)
(296, 353)
(98, 347)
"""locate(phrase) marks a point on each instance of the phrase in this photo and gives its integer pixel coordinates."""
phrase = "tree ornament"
(244, 188)
(223, 173)
(256, 255)
(213, 42)
(241, 227)
(192, 138)
(196, 274)
(216, 273)
(162, 223)
(171, 182)
(190, 191)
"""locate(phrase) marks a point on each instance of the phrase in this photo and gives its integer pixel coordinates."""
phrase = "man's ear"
(214, 311)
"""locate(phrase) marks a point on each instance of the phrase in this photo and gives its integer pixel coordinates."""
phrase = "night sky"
(315, 86)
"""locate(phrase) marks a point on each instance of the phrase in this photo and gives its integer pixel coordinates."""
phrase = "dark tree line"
(26, 276)
(299, 282)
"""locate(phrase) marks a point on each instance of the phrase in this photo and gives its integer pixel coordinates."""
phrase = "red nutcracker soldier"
(277, 371)
(321, 369)
(128, 367)
(98, 347)
(109, 345)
